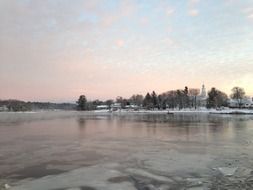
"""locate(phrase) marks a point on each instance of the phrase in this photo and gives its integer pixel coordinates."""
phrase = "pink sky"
(55, 51)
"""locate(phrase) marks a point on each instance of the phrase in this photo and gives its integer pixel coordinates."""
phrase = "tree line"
(18, 105)
(186, 98)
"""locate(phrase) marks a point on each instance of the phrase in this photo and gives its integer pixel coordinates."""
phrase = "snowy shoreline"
(204, 111)
(123, 111)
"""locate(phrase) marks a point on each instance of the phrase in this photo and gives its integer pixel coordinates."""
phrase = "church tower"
(203, 91)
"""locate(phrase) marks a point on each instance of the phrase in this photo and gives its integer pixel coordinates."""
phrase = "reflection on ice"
(78, 150)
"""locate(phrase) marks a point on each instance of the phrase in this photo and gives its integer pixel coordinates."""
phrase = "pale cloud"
(193, 12)
(120, 43)
(125, 9)
(250, 16)
(232, 2)
(169, 42)
(248, 12)
(169, 11)
(109, 20)
(144, 21)
(194, 2)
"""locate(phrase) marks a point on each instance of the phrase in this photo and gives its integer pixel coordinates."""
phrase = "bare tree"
(136, 99)
(193, 93)
(238, 93)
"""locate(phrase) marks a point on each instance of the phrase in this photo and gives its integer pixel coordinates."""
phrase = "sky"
(56, 50)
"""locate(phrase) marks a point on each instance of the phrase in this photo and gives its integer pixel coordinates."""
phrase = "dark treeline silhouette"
(18, 105)
(180, 99)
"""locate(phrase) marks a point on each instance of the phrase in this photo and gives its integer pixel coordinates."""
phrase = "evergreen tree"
(82, 103)
(179, 99)
(148, 102)
(162, 101)
(154, 100)
(216, 98)
(186, 100)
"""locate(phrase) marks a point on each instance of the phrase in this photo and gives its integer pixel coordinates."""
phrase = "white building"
(202, 97)
(132, 107)
(116, 106)
(244, 103)
(102, 107)
(3, 108)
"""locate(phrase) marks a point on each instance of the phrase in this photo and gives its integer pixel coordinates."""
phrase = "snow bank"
(232, 111)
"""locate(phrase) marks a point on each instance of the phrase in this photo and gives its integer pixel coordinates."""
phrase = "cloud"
(169, 42)
(193, 12)
(194, 2)
(144, 21)
(250, 16)
(248, 12)
(125, 9)
(120, 43)
(169, 11)
(109, 20)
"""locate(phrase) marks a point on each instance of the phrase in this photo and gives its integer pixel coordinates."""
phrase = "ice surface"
(226, 171)
(95, 177)
(88, 151)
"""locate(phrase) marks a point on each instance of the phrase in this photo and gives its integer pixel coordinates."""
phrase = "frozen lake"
(95, 151)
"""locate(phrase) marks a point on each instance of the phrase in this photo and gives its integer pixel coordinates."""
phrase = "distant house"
(4, 108)
(116, 106)
(102, 107)
(132, 107)
(233, 103)
(245, 103)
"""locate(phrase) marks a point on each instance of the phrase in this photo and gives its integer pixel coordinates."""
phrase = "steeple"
(203, 91)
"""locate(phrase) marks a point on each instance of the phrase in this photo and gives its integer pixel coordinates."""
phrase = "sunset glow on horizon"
(57, 50)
